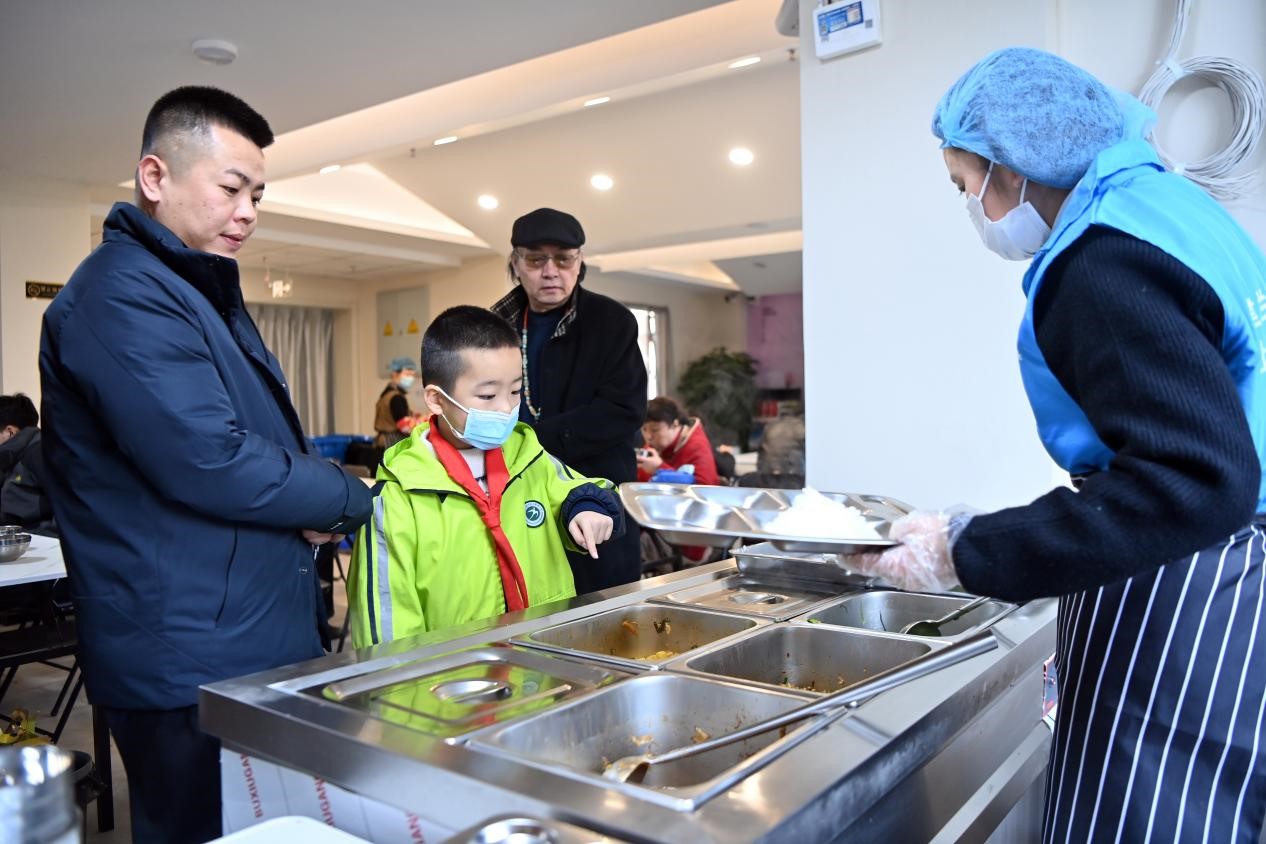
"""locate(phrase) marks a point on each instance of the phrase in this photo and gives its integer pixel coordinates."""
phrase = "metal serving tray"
(651, 713)
(456, 693)
(773, 597)
(641, 636)
(889, 611)
(811, 659)
(718, 515)
(763, 560)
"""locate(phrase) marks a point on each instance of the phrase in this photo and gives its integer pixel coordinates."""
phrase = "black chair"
(725, 467)
(42, 643)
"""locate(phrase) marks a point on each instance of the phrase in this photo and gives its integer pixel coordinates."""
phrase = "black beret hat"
(545, 225)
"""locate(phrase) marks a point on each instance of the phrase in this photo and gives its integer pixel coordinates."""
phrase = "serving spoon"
(930, 627)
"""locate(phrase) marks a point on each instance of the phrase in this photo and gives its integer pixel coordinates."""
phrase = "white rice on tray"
(813, 514)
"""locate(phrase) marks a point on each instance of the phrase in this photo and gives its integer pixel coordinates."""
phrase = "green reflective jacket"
(426, 561)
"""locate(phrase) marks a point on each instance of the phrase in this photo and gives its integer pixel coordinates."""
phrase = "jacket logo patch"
(534, 513)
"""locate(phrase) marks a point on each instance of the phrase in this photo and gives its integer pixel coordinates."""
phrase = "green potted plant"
(720, 388)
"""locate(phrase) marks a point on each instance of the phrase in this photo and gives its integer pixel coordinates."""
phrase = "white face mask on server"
(1018, 235)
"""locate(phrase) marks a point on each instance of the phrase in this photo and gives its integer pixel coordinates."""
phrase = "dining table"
(42, 561)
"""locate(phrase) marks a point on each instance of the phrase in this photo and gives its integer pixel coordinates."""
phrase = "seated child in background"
(471, 515)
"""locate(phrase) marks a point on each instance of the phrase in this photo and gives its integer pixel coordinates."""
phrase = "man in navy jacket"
(188, 495)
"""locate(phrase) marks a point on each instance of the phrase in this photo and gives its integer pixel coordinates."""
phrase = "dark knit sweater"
(1132, 335)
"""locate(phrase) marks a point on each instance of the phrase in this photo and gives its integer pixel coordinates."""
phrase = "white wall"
(1121, 41)
(911, 379)
(44, 234)
(478, 281)
(699, 319)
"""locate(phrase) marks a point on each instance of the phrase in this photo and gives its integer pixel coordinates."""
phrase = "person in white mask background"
(1141, 355)
(472, 517)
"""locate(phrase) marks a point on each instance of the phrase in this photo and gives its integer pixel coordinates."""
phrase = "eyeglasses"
(537, 260)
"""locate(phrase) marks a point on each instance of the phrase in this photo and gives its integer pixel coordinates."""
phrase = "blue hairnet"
(403, 363)
(1041, 116)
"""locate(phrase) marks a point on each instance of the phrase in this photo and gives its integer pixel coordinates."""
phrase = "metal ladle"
(832, 707)
(930, 627)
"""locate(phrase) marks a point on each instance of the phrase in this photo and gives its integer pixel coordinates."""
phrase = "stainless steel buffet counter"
(515, 717)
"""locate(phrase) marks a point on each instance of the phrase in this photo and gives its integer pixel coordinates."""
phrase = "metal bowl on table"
(13, 545)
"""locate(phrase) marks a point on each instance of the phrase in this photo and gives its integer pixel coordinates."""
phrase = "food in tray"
(630, 626)
(663, 626)
(813, 514)
(812, 685)
(658, 655)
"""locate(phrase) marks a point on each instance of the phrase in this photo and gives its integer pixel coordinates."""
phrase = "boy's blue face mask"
(485, 429)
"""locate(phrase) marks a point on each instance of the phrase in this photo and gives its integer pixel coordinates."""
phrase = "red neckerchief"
(489, 506)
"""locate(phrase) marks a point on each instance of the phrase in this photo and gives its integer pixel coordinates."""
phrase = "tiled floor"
(35, 688)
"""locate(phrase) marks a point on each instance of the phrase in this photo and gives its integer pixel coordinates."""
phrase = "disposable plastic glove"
(921, 563)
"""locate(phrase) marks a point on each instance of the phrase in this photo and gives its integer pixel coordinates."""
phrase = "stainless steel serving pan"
(453, 694)
(718, 515)
(763, 560)
(889, 611)
(813, 659)
(772, 596)
(641, 636)
(652, 712)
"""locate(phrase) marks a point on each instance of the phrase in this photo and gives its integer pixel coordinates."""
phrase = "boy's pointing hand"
(590, 529)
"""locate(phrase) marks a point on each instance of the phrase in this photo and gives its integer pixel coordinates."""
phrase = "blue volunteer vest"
(1128, 189)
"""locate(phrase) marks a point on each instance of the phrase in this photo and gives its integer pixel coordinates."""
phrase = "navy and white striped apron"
(1162, 691)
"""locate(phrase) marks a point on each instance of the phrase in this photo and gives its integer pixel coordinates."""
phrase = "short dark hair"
(456, 330)
(666, 410)
(194, 109)
(19, 411)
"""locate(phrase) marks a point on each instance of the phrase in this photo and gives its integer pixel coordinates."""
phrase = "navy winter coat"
(179, 473)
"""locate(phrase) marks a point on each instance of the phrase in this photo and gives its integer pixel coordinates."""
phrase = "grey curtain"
(302, 339)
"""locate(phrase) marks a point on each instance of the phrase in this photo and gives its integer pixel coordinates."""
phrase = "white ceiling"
(667, 154)
(377, 83)
(765, 275)
(89, 71)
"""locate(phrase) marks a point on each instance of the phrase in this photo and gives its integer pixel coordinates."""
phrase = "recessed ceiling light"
(602, 181)
(747, 62)
(488, 202)
(330, 168)
(741, 156)
(597, 101)
(448, 139)
(215, 50)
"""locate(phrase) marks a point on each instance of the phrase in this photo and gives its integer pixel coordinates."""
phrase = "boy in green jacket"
(471, 515)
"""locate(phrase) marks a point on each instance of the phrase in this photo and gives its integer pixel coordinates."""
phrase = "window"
(652, 338)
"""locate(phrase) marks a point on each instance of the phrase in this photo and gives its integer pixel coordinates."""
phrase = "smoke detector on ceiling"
(215, 50)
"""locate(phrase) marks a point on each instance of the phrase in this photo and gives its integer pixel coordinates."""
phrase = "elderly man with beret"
(584, 381)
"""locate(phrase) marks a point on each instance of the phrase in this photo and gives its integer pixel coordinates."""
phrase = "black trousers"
(619, 562)
(173, 774)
